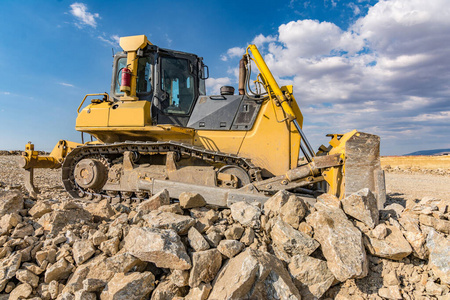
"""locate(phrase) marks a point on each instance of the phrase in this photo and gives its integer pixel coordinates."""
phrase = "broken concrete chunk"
(362, 206)
(131, 286)
(163, 247)
(254, 275)
(205, 265)
(393, 246)
(246, 214)
(311, 275)
(191, 200)
(165, 220)
(341, 243)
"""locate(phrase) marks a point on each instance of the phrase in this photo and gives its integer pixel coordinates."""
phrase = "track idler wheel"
(90, 174)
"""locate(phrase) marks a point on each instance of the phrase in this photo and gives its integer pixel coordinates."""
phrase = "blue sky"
(380, 67)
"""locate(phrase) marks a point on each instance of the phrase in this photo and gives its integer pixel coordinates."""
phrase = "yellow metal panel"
(223, 141)
(126, 114)
(94, 115)
(271, 141)
(132, 43)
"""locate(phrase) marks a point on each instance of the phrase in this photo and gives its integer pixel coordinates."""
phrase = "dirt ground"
(406, 183)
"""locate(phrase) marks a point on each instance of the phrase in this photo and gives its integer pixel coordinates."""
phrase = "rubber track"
(84, 151)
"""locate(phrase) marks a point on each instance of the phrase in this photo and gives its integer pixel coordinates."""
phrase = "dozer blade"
(362, 167)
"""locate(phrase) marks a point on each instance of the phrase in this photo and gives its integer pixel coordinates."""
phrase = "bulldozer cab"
(171, 80)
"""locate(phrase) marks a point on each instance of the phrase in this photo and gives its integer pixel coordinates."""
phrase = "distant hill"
(430, 152)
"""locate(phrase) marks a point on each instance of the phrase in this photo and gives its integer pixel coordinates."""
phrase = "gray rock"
(288, 241)
(10, 202)
(362, 206)
(205, 265)
(230, 248)
(439, 260)
(329, 200)
(9, 221)
(131, 286)
(200, 292)
(163, 247)
(22, 291)
(166, 220)
(273, 205)
(8, 268)
(191, 200)
(379, 232)
(26, 276)
(246, 214)
(311, 275)
(393, 246)
(40, 209)
(413, 234)
(438, 224)
(196, 240)
(156, 201)
(234, 232)
(59, 270)
(341, 242)
(85, 295)
(293, 211)
(82, 251)
(254, 275)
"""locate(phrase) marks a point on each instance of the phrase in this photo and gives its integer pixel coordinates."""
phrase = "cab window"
(177, 84)
(144, 74)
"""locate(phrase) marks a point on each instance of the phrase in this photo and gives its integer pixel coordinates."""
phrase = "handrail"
(88, 95)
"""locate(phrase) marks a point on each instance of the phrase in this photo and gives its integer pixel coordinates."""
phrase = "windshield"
(178, 85)
(144, 74)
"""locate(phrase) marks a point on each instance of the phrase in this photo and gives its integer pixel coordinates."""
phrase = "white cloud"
(388, 74)
(80, 11)
(213, 85)
(233, 52)
(66, 84)
(112, 40)
(260, 40)
(5, 93)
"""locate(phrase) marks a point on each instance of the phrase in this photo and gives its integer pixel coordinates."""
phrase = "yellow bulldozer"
(157, 129)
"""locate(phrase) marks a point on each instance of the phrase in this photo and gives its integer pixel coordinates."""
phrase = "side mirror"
(205, 70)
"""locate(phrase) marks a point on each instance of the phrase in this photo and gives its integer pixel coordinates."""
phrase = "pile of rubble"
(416, 170)
(290, 247)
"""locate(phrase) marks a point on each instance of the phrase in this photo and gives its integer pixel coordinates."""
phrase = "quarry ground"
(408, 180)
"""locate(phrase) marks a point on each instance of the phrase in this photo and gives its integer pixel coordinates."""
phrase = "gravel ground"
(402, 188)
(416, 186)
